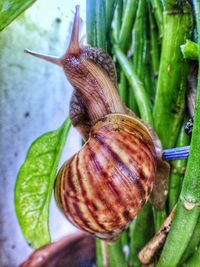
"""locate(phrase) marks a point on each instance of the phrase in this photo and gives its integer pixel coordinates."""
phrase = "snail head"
(91, 72)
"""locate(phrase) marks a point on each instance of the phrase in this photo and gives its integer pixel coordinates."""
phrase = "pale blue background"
(34, 98)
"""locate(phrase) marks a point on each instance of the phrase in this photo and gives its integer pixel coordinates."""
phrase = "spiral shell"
(103, 187)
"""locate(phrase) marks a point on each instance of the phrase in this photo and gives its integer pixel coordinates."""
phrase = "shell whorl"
(103, 187)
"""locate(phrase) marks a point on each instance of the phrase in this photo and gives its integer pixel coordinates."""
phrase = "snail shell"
(103, 187)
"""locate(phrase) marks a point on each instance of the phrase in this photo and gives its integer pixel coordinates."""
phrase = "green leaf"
(34, 185)
(10, 9)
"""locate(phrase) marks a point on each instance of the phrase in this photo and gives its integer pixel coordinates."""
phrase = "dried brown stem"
(146, 255)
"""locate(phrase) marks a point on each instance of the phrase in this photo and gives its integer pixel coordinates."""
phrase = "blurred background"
(34, 99)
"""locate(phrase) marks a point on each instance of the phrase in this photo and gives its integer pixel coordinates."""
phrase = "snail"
(120, 167)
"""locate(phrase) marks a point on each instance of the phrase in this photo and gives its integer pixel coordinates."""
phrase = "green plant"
(153, 60)
(9, 10)
(145, 39)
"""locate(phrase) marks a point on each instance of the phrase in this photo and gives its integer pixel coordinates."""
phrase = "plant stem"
(194, 260)
(190, 50)
(171, 86)
(99, 255)
(117, 20)
(140, 234)
(101, 24)
(156, 5)
(141, 50)
(158, 12)
(159, 217)
(195, 240)
(143, 72)
(178, 169)
(125, 240)
(147, 254)
(136, 85)
(173, 6)
(155, 49)
(149, 81)
(91, 22)
(132, 103)
(145, 113)
(140, 41)
(110, 9)
(117, 255)
(127, 24)
(188, 209)
(123, 92)
(179, 235)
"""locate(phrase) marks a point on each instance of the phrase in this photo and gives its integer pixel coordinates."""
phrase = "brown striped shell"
(103, 187)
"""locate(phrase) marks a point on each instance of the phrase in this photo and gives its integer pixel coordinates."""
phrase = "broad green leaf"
(10, 9)
(34, 185)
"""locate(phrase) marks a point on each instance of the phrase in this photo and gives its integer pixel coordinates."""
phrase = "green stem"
(127, 24)
(155, 49)
(178, 169)
(136, 85)
(140, 234)
(132, 103)
(190, 50)
(173, 6)
(91, 22)
(141, 47)
(117, 20)
(99, 255)
(123, 88)
(136, 48)
(149, 82)
(158, 12)
(117, 255)
(101, 24)
(171, 86)
(194, 260)
(159, 218)
(179, 235)
(110, 10)
(140, 41)
(194, 242)
(188, 208)
(140, 57)
(145, 113)
(124, 239)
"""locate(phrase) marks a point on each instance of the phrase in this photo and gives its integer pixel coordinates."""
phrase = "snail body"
(103, 186)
